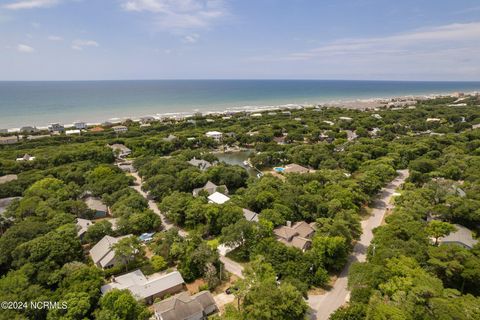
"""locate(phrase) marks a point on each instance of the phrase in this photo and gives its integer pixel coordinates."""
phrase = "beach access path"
(230, 265)
(322, 306)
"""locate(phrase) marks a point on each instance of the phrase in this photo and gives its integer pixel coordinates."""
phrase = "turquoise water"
(40, 103)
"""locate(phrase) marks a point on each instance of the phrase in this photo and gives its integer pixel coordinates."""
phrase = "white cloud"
(191, 38)
(23, 48)
(177, 15)
(30, 4)
(54, 38)
(79, 44)
(451, 51)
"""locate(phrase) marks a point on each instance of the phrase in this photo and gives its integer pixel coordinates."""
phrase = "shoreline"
(350, 103)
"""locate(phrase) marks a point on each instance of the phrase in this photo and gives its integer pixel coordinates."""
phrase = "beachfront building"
(103, 253)
(185, 307)
(8, 140)
(28, 129)
(218, 198)
(120, 129)
(96, 205)
(146, 119)
(215, 135)
(80, 125)
(210, 188)
(73, 131)
(298, 235)
(147, 288)
(56, 127)
(462, 236)
(200, 163)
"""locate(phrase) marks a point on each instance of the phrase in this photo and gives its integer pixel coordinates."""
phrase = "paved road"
(324, 305)
(232, 266)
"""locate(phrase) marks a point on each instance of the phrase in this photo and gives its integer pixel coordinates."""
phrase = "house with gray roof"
(82, 226)
(297, 235)
(250, 215)
(121, 150)
(103, 254)
(147, 288)
(96, 204)
(462, 236)
(210, 188)
(185, 307)
(200, 163)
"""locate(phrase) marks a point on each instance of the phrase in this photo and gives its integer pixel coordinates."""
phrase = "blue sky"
(247, 39)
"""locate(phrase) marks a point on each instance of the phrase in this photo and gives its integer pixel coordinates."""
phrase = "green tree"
(438, 229)
(128, 249)
(120, 304)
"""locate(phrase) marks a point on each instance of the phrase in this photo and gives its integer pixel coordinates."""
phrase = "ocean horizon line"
(245, 79)
(39, 103)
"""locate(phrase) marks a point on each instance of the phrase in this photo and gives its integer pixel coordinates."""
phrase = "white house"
(120, 129)
(70, 132)
(216, 135)
(218, 198)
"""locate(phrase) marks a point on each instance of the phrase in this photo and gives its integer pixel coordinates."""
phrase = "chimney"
(289, 224)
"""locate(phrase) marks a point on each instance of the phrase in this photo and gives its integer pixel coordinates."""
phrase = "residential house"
(218, 198)
(26, 157)
(28, 129)
(215, 135)
(250, 215)
(122, 150)
(210, 188)
(462, 236)
(120, 129)
(200, 163)
(8, 140)
(56, 127)
(97, 129)
(147, 288)
(95, 204)
(185, 307)
(82, 226)
(295, 168)
(297, 235)
(103, 254)
(73, 131)
(80, 125)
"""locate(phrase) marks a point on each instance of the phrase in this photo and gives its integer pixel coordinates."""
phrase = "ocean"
(42, 102)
